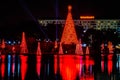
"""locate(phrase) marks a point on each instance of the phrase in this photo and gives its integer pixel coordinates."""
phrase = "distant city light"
(84, 31)
(14, 42)
(38, 39)
(9, 42)
(18, 42)
(84, 45)
(105, 44)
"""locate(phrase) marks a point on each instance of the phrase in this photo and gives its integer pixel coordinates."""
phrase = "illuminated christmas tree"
(23, 45)
(79, 49)
(38, 49)
(3, 44)
(60, 49)
(110, 47)
(2, 47)
(87, 50)
(69, 34)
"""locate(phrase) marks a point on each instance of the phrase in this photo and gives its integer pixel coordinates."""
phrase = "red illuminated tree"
(3, 44)
(69, 34)
(87, 50)
(60, 49)
(38, 49)
(79, 49)
(23, 45)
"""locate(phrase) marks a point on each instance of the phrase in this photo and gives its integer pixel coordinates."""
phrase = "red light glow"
(2, 66)
(110, 64)
(23, 66)
(68, 67)
(38, 65)
(2, 69)
(102, 65)
(55, 64)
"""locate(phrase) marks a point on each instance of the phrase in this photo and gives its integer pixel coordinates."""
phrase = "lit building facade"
(98, 24)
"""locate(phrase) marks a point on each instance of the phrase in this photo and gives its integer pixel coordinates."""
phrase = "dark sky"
(23, 14)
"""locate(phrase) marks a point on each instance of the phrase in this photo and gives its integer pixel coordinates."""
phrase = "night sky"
(22, 15)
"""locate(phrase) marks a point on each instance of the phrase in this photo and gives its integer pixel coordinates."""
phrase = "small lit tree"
(23, 45)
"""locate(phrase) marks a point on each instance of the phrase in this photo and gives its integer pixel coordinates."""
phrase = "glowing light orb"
(69, 8)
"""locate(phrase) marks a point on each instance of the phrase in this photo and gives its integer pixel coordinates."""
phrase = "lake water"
(60, 67)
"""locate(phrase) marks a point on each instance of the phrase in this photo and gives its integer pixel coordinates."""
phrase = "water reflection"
(74, 67)
(23, 66)
(68, 69)
(47, 67)
(38, 65)
(118, 62)
(13, 65)
(9, 65)
(2, 66)
(59, 67)
(87, 73)
(102, 64)
(110, 64)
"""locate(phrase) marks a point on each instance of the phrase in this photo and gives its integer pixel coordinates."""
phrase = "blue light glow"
(84, 45)
(9, 63)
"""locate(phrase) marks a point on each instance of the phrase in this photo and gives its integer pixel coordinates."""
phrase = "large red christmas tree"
(69, 34)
